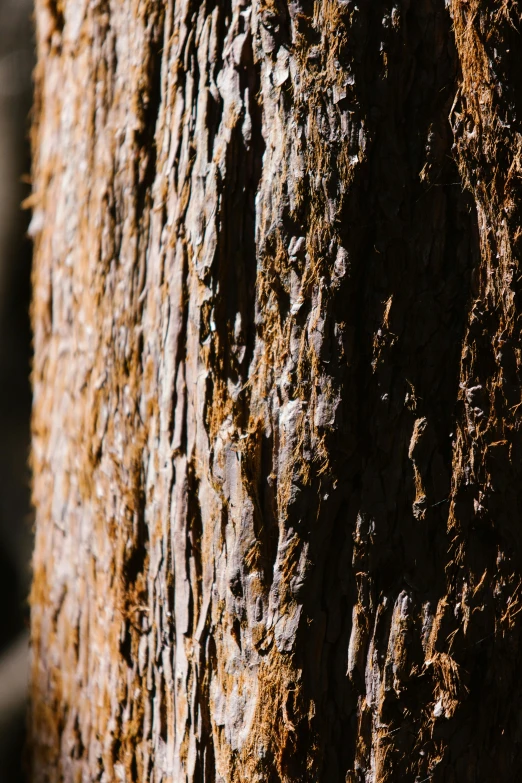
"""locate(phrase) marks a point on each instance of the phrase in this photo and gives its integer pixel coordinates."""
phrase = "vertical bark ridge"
(484, 571)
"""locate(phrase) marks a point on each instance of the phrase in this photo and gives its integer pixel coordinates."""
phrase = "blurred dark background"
(16, 64)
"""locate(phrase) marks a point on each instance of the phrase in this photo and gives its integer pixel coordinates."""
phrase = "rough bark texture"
(277, 383)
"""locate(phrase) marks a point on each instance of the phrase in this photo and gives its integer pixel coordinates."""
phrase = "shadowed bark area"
(276, 391)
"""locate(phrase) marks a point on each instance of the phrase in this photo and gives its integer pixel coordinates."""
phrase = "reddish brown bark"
(276, 392)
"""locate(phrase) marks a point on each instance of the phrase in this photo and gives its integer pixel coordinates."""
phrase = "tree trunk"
(277, 392)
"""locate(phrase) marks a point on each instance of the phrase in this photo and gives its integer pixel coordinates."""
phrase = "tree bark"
(276, 430)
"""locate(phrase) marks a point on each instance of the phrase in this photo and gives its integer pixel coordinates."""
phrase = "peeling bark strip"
(276, 433)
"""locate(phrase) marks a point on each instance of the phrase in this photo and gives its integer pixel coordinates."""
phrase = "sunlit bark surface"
(276, 431)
